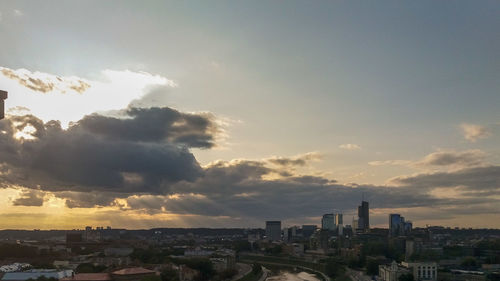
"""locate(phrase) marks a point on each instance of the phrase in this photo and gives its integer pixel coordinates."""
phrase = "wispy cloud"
(44, 83)
(474, 132)
(445, 158)
(350, 146)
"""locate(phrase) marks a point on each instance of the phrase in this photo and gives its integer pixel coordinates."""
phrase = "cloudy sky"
(227, 114)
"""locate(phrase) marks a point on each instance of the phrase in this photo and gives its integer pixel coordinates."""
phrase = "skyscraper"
(394, 224)
(328, 222)
(273, 230)
(398, 226)
(339, 221)
(363, 216)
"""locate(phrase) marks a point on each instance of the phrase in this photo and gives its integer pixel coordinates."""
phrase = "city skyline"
(166, 114)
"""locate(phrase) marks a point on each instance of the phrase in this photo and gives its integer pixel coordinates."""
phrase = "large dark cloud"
(485, 178)
(30, 198)
(143, 160)
(239, 189)
(144, 153)
(154, 125)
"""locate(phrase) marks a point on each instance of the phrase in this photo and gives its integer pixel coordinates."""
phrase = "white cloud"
(473, 132)
(18, 12)
(53, 97)
(390, 163)
(350, 146)
(445, 159)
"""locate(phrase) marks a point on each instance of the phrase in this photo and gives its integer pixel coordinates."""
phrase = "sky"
(230, 113)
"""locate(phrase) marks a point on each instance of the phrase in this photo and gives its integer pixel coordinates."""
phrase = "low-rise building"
(37, 273)
(392, 272)
(89, 277)
(132, 274)
(422, 270)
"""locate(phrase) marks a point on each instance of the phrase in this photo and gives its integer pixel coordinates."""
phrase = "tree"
(151, 278)
(242, 245)
(169, 274)
(332, 268)
(469, 262)
(89, 268)
(256, 268)
(372, 267)
(406, 277)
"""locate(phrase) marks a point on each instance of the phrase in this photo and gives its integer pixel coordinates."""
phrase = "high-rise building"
(273, 230)
(328, 222)
(339, 219)
(394, 224)
(289, 233)
(308, 230)
(398, 226)
(363, 217)
(339, 222)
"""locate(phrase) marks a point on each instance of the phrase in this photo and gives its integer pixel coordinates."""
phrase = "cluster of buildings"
(419, 271)
(398, 226)
(333, 223)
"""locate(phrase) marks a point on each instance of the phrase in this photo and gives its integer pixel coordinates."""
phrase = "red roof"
(89, 277)
(133, 270)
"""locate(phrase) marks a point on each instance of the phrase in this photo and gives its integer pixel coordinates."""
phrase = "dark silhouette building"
(363, 217)
(3, 97)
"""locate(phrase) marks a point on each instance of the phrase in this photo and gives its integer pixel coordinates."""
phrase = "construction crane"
(3, 97)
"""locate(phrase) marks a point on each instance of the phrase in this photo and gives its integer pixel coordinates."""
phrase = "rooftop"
(89, 277)
(132, 270)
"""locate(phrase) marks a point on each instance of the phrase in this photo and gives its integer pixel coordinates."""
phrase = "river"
(292, 276)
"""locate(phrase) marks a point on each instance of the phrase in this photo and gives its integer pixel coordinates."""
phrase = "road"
(243, 269)
(357, 275)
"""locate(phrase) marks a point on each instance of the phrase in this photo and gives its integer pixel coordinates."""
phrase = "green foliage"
(333, 268)
(17, 251)
(469, 262)
(169, 274)
(256, 268)
(204, 266)
(154, 255)
(406, 277)
(356, 262)
(89, 268)
(427, 255)
(151, 278)
(228, 274)
(242, 245)
(372, 267)
(274, 250)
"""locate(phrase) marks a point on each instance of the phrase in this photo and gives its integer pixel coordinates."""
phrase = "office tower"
(289, 233)
(394, 225)
(363, 217)
(339, 219)
(328, 222)
(308, 230)
(273, 230)
(339, 222)
(398, 226)
(355, 225)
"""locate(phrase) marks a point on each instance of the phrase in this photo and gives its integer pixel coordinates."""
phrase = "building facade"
(273, 230)
(328, 222)
(364, 216)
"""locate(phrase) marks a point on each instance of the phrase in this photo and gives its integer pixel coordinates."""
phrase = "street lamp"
(3, 97)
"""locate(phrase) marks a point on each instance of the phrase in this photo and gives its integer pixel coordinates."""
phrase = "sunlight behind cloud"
(68, 99)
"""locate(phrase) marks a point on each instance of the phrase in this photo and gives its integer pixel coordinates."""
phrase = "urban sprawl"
(333, 251)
